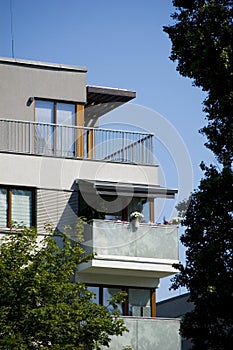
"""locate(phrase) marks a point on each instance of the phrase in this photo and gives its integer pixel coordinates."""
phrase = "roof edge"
(39, 64)
(111, 91)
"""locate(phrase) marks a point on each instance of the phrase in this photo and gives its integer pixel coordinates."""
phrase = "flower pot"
(135, 224)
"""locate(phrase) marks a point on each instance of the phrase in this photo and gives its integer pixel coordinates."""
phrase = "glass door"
(44, 130)
(65, 133)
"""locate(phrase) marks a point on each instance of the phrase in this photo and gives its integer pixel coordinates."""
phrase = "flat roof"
(39, 64)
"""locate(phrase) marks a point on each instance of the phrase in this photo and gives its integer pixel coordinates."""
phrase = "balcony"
(73, 142)
(151, 248)
(149, 334)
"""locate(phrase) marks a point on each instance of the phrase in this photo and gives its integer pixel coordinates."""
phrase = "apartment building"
(57, 165)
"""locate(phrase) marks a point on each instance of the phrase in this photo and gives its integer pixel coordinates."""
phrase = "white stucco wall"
(57, 173)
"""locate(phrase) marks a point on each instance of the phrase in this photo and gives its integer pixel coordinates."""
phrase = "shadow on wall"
(58, 208)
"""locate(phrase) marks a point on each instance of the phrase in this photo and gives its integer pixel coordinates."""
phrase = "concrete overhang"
(143, 268)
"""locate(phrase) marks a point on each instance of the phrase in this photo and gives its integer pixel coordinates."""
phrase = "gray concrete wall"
(21, 79)
(148, 334)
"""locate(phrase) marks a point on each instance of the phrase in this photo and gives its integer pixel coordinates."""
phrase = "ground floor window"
(17, 205)
(140, 302)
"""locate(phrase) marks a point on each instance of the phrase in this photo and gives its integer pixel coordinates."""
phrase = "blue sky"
(123, 45)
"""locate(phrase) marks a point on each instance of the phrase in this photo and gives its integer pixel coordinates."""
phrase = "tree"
(202, 40)
(41, 304)
(208, 273)
(202, 45)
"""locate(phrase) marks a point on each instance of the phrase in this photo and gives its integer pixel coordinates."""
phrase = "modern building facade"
(57, 166)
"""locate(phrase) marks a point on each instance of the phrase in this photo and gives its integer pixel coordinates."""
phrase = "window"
(140, 302)
(110, 207)
(17, 205)
(57, 139)
(95, 291)
(3, 207)
(108, 293)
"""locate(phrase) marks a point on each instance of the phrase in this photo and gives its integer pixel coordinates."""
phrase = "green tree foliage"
(41, 304)
(208, 273)
(202, 46)
(202, 38)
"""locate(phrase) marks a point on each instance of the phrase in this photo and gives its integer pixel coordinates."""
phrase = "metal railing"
(75, 142)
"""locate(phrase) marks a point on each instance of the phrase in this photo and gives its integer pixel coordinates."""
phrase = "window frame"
(9, 189)
(79, 121)
(125, 305)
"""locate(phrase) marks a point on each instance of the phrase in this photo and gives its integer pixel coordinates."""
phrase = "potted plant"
(135, 218)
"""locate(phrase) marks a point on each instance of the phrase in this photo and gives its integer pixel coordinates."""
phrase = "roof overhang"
(101, 100)
(125, 189)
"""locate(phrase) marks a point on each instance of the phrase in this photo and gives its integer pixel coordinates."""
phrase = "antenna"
(12, 37)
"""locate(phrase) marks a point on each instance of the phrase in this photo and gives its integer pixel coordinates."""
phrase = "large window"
(140, 302)
(57, 139)
(17, 205)
(110, 207)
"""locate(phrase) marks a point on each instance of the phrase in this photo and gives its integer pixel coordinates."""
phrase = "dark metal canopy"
(125, 189)
(101, 100)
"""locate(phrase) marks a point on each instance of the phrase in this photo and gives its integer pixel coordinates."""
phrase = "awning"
(101, 100)
(125, 189)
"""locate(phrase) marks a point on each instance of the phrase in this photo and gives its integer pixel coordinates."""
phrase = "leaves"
(202, 45)
(202, 40)
(41, 304)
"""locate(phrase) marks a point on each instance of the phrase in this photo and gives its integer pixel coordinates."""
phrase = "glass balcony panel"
(118, 238)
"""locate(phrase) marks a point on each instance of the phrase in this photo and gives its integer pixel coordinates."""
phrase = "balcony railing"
(75, 142)
(106, 237)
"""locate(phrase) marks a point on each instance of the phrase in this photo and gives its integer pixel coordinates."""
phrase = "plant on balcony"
(175, 220)
(136, 215)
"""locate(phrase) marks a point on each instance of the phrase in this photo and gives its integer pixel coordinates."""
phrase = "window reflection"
(16, 206)
(22, 207)
(3, 207)
(108, 293)
(44, 132)
(59, 138)
(94, 290)
(139, 302)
